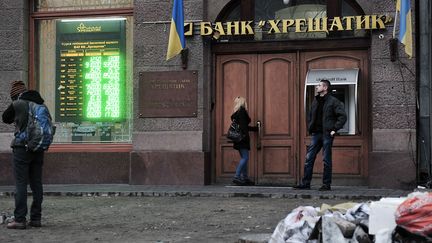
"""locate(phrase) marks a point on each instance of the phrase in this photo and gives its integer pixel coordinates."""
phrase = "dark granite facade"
(393, 107)
(169, 168)
(148, 168)
(13, 49)
(395, 170)
(392, 111)
(75, 168)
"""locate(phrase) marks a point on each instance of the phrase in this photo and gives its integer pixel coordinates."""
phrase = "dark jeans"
(27, 170)
(324, 141)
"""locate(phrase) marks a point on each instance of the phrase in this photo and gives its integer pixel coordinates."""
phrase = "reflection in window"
(290, 9)
(234, 14)
(293, 9)
(62, 5)
(278, 9)
(348, 10)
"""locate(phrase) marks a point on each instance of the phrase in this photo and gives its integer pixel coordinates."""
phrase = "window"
(343, 86)
(62, 5)
(83, 70)
(290, 9)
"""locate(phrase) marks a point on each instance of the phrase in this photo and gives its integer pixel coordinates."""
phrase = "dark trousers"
(27, 170)
(324, 141)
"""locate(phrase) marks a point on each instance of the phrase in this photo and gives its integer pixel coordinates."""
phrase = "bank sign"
(282, 26)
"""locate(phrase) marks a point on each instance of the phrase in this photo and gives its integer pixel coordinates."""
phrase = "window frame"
(334, 8)
(44, 15)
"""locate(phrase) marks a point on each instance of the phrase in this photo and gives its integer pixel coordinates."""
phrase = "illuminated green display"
(90, 76)
(103, 88)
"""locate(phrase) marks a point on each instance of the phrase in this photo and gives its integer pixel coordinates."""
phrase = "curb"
(219, 191)
(316, 195)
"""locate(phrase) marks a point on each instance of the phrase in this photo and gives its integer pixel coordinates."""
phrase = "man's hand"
(332, 133)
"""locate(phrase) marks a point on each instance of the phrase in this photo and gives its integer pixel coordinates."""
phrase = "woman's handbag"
(234, 132)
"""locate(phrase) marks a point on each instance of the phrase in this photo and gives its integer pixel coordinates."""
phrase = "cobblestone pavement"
(124, 213)
(153, 219)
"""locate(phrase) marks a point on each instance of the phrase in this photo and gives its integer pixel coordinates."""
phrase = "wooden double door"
(273, 85)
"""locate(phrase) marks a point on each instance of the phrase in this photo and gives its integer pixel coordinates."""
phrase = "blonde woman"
(241, 116)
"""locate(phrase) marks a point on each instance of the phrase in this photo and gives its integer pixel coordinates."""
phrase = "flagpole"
(393, 43)
(395, 23)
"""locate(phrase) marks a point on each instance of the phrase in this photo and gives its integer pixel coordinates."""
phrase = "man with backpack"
(27, 164)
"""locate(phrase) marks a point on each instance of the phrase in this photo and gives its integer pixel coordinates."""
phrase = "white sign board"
(335, 76)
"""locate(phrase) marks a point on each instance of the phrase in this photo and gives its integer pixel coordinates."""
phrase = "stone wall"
(151, 32)
(13, 52)
(393, 106)
(13, 66)
(170, 150)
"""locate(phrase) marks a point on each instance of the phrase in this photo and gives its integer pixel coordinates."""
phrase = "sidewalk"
(338, 192)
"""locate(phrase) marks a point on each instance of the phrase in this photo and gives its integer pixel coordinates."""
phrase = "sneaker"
(16, 225)
(238, 182)
(301, 187)
(35, 223)
(325, 187)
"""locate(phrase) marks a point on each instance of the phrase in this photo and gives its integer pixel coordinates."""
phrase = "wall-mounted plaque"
(168, 94)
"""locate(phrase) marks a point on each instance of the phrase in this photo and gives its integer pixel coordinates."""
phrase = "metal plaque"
(168, 94)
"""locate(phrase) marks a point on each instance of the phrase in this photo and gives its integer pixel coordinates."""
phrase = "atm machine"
(344, 85)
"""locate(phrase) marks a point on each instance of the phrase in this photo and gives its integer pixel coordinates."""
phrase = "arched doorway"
(270, 71)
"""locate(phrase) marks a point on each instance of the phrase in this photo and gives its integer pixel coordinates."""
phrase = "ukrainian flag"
(405, 30)
(176, 41)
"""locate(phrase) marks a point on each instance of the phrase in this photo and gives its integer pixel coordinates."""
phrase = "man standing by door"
(327, 115)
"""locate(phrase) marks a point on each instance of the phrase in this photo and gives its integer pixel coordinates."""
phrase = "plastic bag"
(296, 227)
(415, 214)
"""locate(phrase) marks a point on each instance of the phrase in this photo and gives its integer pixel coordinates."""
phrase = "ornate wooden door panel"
(235, 76)
(268, 81)
(278, 112)
(273, 85)
(349, 152)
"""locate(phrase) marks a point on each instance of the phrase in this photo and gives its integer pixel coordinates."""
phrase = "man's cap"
(17, 87)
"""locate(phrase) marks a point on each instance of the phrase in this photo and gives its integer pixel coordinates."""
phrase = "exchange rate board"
(90, 76)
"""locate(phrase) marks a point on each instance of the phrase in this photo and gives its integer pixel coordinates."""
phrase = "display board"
(90, 76)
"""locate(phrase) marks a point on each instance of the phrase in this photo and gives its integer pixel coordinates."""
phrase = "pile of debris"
(5, 218)
(407, 219)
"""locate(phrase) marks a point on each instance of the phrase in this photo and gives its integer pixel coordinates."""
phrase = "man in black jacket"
(27, 165)
(327, 115)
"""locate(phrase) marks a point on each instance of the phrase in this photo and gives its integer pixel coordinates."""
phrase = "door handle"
(259, 126)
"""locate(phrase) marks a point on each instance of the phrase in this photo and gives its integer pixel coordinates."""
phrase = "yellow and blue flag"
(405, 29)
(176, 41)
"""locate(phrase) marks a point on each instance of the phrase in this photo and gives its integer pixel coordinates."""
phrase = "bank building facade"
(126, 115)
